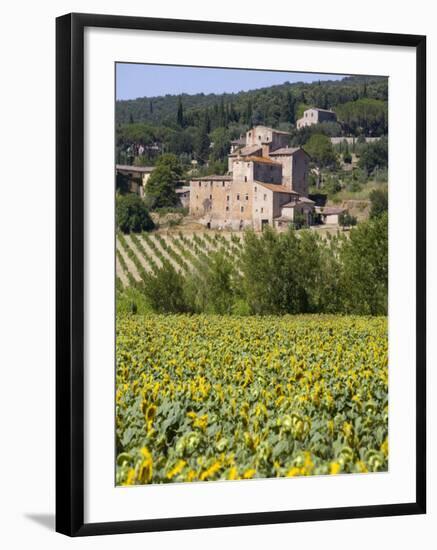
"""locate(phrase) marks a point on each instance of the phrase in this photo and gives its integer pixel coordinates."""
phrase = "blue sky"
(136, 80)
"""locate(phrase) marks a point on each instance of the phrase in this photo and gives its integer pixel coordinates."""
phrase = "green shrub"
(332, 185)
(347, 157)
(346, 220)
(164, 289)
(379, 202)
(131, 214)
(354, 186)
(132, 301)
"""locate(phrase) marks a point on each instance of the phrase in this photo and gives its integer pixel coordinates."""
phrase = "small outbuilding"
(330, 215)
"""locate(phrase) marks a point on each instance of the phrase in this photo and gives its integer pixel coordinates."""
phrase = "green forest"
(200, 127)
(269, 273)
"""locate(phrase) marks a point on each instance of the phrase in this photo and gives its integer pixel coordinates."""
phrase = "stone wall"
(262, 206)
(300, 168)
(279, 199)
(267, 172)
(263, 134)
(331, 219)
(242, 170)
(222, 203)
(287, 166)
(208, 196)
(295, 171)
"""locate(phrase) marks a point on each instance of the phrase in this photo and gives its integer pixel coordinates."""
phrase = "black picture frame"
(70, 273)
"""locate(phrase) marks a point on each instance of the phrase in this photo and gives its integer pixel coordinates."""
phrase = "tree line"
(293, 272)
(200, 127)
(272, 105)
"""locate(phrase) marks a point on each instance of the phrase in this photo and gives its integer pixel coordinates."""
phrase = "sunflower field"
(208, 397)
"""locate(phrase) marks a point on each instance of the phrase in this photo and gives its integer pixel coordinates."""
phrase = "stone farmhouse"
(137, 176)
(266, 184)
(315, 116)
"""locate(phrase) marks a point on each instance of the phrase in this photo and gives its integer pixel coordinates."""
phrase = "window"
(210, 197)
(265, 197)
(255, 188)
(200, 183)
(242, 209)
(262, 210)
(245, 178)
(238, 197)
(259, 137)
(227, 209)
(211, 183)
(246, 196)
(223, 183)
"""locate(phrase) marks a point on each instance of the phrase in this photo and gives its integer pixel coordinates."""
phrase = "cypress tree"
(180, 114)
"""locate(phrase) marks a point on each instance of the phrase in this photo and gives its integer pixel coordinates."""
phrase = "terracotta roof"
(128, 168)
(277, 188)
(249, 150)
(298, 200)
(213, 177)
(263, 160)
(332, 210)
(306, 200)
(287, 151)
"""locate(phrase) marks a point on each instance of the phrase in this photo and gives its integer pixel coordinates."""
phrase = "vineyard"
(138, 254)
(208, 397)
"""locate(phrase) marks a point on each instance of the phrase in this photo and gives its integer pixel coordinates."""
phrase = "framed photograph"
(240, 274)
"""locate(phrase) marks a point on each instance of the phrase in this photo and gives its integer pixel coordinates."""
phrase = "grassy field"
(212, 397)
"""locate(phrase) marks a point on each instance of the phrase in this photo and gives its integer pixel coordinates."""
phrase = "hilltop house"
(266, 184)
(315, 116)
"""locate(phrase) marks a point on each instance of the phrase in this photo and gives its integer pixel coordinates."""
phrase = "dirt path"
(165, 253)
(120, 273)
(143, 261)
(130, 265)
(150, 251)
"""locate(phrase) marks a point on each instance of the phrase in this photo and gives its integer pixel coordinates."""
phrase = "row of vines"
(138, 254)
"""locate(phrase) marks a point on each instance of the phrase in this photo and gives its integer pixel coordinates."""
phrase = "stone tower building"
(266, 184)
